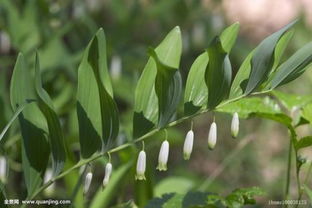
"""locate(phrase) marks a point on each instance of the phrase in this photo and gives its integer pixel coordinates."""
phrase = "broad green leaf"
(293, 67)
(56, 138)
(33, 126)
(168, 88)
(218, 74)
(245, 107)
(228, 37)
(103, 197)
(109, 111)
(263, 59)
(196, 93)
(173, 184)
(96, 109)
(241, 78)
(291, 100)
(281, 46)
(146, 102)
(303, 143)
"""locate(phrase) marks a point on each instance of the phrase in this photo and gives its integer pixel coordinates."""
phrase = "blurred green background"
(60, 31)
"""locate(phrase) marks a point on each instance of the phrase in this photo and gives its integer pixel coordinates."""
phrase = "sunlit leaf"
(247, 106)
(146, 103)
(228, 36)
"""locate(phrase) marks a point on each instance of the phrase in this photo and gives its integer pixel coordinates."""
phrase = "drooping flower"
(108, 172)
(3, 169)
(87, 182)
(212, 137)
(188, 145)
(141, 166)
(47, 177)
(235, 125)
(163, 156)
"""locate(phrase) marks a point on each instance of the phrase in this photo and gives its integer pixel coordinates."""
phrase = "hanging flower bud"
(47, 177)
(235, 125)
(141, 165)
(87, 183)
(3, 169)
(108, 172)
(212, 137)
(188, 145)
(163, 156)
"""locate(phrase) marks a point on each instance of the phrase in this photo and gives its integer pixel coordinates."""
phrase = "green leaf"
(97, 112)
(56, 138)
(281, 46)
(146, 103)
(168, 87)
(243, 196)
(293, 67)
(196, 93)
(290, 100)
(228, 36)
(218, 74)
(303, 142)
(246, 107)
(241, 78)
(263, 59)
(173, 184)
(33, 126)
(104, 197)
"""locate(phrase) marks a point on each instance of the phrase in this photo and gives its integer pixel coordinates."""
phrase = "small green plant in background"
(211, 86)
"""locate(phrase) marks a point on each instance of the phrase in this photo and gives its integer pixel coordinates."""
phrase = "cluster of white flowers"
(164, 153)
(187, 148)
(88, 177)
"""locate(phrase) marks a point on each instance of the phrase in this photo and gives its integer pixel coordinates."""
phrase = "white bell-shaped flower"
(141, 166)
(212, 137)
(188, 145)
(87, 182)
(47, 177)
(163, 156)
(3, 169)
(108, 172)
(235, 125)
